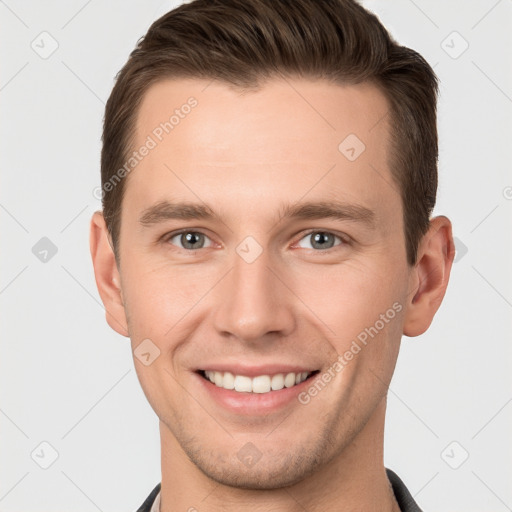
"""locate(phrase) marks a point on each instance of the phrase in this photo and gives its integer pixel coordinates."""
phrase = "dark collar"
(146, 506)
(403, 496)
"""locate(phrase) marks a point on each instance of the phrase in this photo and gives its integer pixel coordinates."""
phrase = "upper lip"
(254, 371)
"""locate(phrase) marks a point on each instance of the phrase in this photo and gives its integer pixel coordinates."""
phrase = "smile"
(258, 384)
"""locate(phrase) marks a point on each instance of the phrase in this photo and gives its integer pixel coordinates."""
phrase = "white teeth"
(243, 383)
(259, 384)
(277, 382)
(229, 381)
(289, 380)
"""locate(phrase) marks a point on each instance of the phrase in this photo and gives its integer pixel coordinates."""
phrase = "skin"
(245, 155)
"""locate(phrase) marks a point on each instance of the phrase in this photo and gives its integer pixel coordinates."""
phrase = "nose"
(254, 304)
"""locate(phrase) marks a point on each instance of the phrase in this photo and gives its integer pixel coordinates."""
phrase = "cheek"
(351, 296)
(166, 304)
(366, 316)
(159, 299)
(362, 307)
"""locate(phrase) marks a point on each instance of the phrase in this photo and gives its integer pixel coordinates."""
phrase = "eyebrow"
(166, 210)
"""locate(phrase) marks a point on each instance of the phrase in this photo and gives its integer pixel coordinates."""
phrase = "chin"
(260, 464)
(264, 475)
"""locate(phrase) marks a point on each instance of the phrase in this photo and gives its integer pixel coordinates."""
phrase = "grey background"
(68, 380)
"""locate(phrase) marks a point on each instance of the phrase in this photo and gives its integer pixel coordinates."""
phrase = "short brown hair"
(244, 42)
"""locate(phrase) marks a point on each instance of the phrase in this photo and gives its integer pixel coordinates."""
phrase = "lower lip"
(254, 403)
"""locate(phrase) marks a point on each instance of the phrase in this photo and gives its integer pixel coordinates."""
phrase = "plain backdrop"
(69, 396)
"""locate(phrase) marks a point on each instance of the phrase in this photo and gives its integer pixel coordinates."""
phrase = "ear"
(106, 273)
(429, 277)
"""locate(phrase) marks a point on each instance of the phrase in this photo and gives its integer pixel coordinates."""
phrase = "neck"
(354, 479)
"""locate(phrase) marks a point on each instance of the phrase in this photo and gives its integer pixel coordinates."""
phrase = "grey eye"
(190, 240)
(320, 240)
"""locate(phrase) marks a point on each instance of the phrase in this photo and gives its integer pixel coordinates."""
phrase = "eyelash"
(344, 240)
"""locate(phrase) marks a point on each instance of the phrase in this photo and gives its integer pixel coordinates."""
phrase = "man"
(269, 169)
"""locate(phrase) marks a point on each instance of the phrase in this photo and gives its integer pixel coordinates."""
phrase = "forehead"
(291, 110)
(289, 137)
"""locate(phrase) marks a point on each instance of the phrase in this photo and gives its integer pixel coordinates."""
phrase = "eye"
(189, 240)
(322, 240)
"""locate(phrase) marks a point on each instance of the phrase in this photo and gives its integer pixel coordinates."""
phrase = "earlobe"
(107, 275)
(429, 277)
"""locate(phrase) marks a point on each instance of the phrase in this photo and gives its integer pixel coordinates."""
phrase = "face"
(262, 247)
